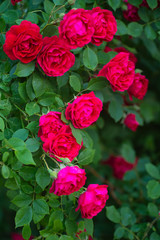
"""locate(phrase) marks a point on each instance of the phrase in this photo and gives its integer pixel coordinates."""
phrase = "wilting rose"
(76, 28)
(84, 110)
(63, 144)
(119, 72)
(131, 122)
(93, 200)
(105, 25)
(131, 14)
(23, 42)
(119, 165)
(132, 57)
(55, 58)
(139, 87)
(49, 123)
(69, 180)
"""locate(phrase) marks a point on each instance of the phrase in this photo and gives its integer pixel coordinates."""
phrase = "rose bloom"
(105, 25)
(49, 123)
(69, 180)
(131, 14)
(17, 236)
(119, 72)
(130, 122)
(84, 110)
(55, 58)
(63, 144)
(23, 42)
(119, 165)
(15, 1)
(93, 200)
(139, 87)
(76, 28)
(122, 49)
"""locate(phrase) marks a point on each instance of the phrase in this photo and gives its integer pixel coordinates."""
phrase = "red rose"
(76, 28)
(23, 42)
(93, 200)
(55, 58)
(17, 236)
(105, 25)
(15, 1)
(49, 123)
(139, 87)
(131, 14)
(63, 144)
(120, 166)
(119, 72)
(84, 110)
(130, 122)
(122, 49)
(69, 180)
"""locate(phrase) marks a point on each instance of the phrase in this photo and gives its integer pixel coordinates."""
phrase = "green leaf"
(71, 227)
(52, 237)
(97, 83)
(5, 156)
(87, 140)
(48, 6)
(32, 17)
(153, 189)
(24, 156)
(5, 171)
(10, 16)
(86, 156)
(114, 4)
(15, 143)
(121, 28)
(75, 83)
(104, 58)
(32, 144)
(153, 210)
(152, 3)
(63, 117)
(65, 237)
(23, 216)
(143, 13)
(135, 29)
(115, 110)
(26, 232)
(152, 170)
(40, 209)
(21, 134)
(150, 33)
(154, 236)
(42, 178)
(4, 5)
(22, 200)
(1, 124)
(135, 3)
(127, 216)
(24, 70)
(38, 83)
(128, 153)
(119, 233)
(112, 214)
(28, 173)
(29, 89)
(32, 108)
(59, 2)
(77, 134)
(90, 59)
(89, 226)
(22, 91)
(62, 80)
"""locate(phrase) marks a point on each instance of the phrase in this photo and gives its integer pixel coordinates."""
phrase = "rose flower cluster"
(24, 41)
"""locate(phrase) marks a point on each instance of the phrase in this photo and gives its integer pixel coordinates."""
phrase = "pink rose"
(63, 144)
(120, 166)
(15, 1)
(130, 122)
(131, 14)
(119, 72)
(139, 87)
(55, 58)
(122, 49)
(69, 180)
(76, 28)
(49, 123)
(23, 42)
(93, 200)
(17, 236)
(84, 110)
(105, 25)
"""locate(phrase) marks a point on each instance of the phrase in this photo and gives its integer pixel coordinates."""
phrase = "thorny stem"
(155, 20)
(52, 159)
(149, 227)
(111, 187)
(43, 158)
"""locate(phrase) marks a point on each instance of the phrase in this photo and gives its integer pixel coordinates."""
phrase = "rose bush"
(79, 119)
